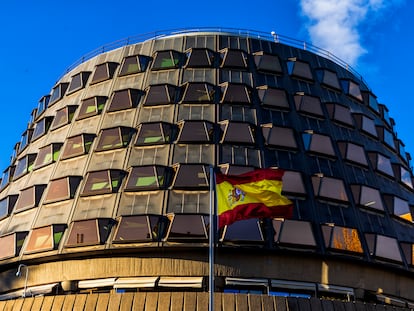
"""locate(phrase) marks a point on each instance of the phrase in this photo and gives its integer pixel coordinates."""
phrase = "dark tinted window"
(104, 72)
(125, 99)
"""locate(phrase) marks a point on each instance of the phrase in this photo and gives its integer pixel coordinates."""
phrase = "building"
(106, 199)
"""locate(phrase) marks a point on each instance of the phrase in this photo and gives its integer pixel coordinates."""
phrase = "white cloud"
(334, 24)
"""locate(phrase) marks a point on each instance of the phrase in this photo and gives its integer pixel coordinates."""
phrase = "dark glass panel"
(239, 155)
(154, 134)
(83, 233)
(114, 138)
(367, 197)
(187, 226)
(188, 176)
(162, 94)
(243, 230)
(356, 153)
(389, 139)
(406, 177)
(8, 247)
(237, 132)
(330, 79)
(42, 105)
(91, 107)
(267, 63)
(196, 131)
(143, 178)
(299, 69)
(368, 126)
(294, 232)
(308, 104)
(47, 155)
(339, 113)
(101, 182)
(78, 81)
(200, 58)
(279, 136)
(134, 64)
(142, 228)
(387, 247)
(42, 127)
(199, 93)
(58, 92)
(62, 189)
(402, 209)
(29, 197)
(125, 99)
(236, 93)
(167, 60)
(77, 145)
(25, 139)
(63, 116)
(318, 144)
(383, 164)
(24, 165)
(233, 59)
(351, 88)
(342, 238)
(7, 205)
(273, 98)
(329, 188)
(293, 183)
(7, 176)
(104, 72)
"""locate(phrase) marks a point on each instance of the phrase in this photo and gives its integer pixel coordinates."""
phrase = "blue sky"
(41, 39)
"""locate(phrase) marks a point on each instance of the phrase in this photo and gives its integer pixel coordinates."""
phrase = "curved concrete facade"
(108, 190)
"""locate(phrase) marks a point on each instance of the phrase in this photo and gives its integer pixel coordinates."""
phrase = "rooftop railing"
(271, 36)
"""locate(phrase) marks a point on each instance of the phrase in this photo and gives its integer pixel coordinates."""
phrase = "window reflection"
(114, 138)
(299, 69)
(77, 145)
(89, 232)
(279, 136)
(235, 93)
(142, 228)
(188, 227)
(162, 94)
(134, 64)
(78, 81)
(237, 132)
(155, 133)
(272, 97)
(197, 57)
(47, 155)
(267, 62)
(143, 178)
(104, 72)
(45, 238)
(342, 238)
(101, 182)
(63, 116)
(91, 107)
(167, 60)
(308, 104)
(329, 188)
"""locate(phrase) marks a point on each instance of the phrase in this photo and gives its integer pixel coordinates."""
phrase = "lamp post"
(19, 272)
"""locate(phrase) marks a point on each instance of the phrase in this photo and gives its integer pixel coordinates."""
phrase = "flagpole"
(212, 235)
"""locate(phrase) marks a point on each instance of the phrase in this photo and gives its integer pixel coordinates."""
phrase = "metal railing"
(271, 36)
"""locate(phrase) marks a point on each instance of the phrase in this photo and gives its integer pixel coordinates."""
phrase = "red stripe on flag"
(249, 177)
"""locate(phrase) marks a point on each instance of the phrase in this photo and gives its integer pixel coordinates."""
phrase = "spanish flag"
(255, 194)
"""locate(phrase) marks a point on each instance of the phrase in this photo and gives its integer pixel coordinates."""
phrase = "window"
(339, 114)
(7, 205)
(188, 227)
(353, 153)
(42, 127)
(62, 189)
(293, 232)
(89, 232)
(299, 69)
(47, 155)
(167, 60)
(188, 201)
(42, 105)
(267, 62)
(328, 78)
(114, 138)
(384, 114)
(11, 244)
(276, 136)
(371, 100)
(248, 230)
(308, 104)
(383, 247)
(197, 92)
(78, 81)
(352, 89)
(44, 238)
(293, 184)
(143, 178)
(134, 64)
(155, 133)
(386, 136)
(196, 112)
(405, 177)
(7, 176)
(195, 132)
(162, 94)
(63, 116)
(29, 197)
(239, 155)
(365, 124)
(233, 59)
(329, 188)
(24, 165)
(142, 228)
(25, 139)
(341, 238)
(381, 163)
(273, 98)
(101, 182)
(91, 107)
(104, 72)
(237, 113)
(235, 93)
(191, 176)
(200, 58)
(237, 132)
(77, 145)
(398, 207)
(317, 143)
(125, 99)
(367, 197)
(58, 92)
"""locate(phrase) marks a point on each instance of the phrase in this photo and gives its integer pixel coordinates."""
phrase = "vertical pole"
(212, 235)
